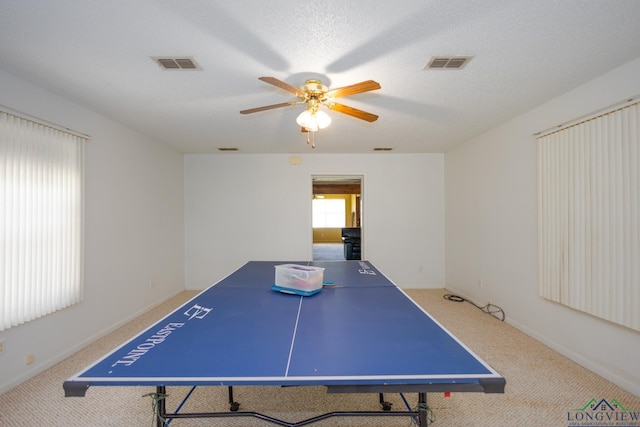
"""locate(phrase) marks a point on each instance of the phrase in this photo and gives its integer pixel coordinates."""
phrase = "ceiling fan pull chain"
(311, 138)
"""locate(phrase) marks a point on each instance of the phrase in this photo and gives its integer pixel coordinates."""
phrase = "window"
(41, 219)
(589, 216)
(328, 213)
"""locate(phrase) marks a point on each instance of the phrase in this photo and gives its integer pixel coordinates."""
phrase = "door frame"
(344, 181)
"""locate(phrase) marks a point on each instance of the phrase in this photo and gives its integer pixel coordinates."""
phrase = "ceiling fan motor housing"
(314, 89)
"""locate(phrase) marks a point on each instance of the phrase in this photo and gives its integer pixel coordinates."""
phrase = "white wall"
(491, 230)
(258, 207)
(134, 227)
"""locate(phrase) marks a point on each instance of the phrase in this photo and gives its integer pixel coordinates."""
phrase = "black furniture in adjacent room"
(351, 240)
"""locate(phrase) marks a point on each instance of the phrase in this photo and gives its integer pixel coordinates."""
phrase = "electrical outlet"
(152, 284)
(30, 359)
(481, 283)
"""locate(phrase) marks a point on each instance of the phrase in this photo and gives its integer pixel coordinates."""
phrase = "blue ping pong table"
(360, 334)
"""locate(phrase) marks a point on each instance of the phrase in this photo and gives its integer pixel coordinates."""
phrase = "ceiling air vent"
(227, 149)
(382, 149)
(447, 62)
(182, 63)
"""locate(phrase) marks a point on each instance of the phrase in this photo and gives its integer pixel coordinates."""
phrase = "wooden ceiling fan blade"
(352, 112)
(268, 107)
(282, 85)
(365, 86)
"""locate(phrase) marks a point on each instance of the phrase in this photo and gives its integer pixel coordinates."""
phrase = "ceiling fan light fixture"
(313, 120)
(323, 119)
(304, 119)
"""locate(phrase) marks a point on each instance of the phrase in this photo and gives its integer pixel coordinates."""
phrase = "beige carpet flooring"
(542, 385)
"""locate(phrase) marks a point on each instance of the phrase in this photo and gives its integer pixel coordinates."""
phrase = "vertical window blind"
(41, 225)
(588, 216)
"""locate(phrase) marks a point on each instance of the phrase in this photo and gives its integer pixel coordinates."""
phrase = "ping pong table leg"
(423, 420)
(386, 406)
(161, 409)
(233, 405)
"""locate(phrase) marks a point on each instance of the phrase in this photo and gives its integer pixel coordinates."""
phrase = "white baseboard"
(554, 345)
(579, 359)
(46, 364)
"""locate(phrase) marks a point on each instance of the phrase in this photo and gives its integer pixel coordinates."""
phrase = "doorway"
(337, 217)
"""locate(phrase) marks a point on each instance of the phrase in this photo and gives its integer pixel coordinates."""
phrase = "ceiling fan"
(314, 94)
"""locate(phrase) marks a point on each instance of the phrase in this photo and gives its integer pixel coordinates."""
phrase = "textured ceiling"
(98, 54)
